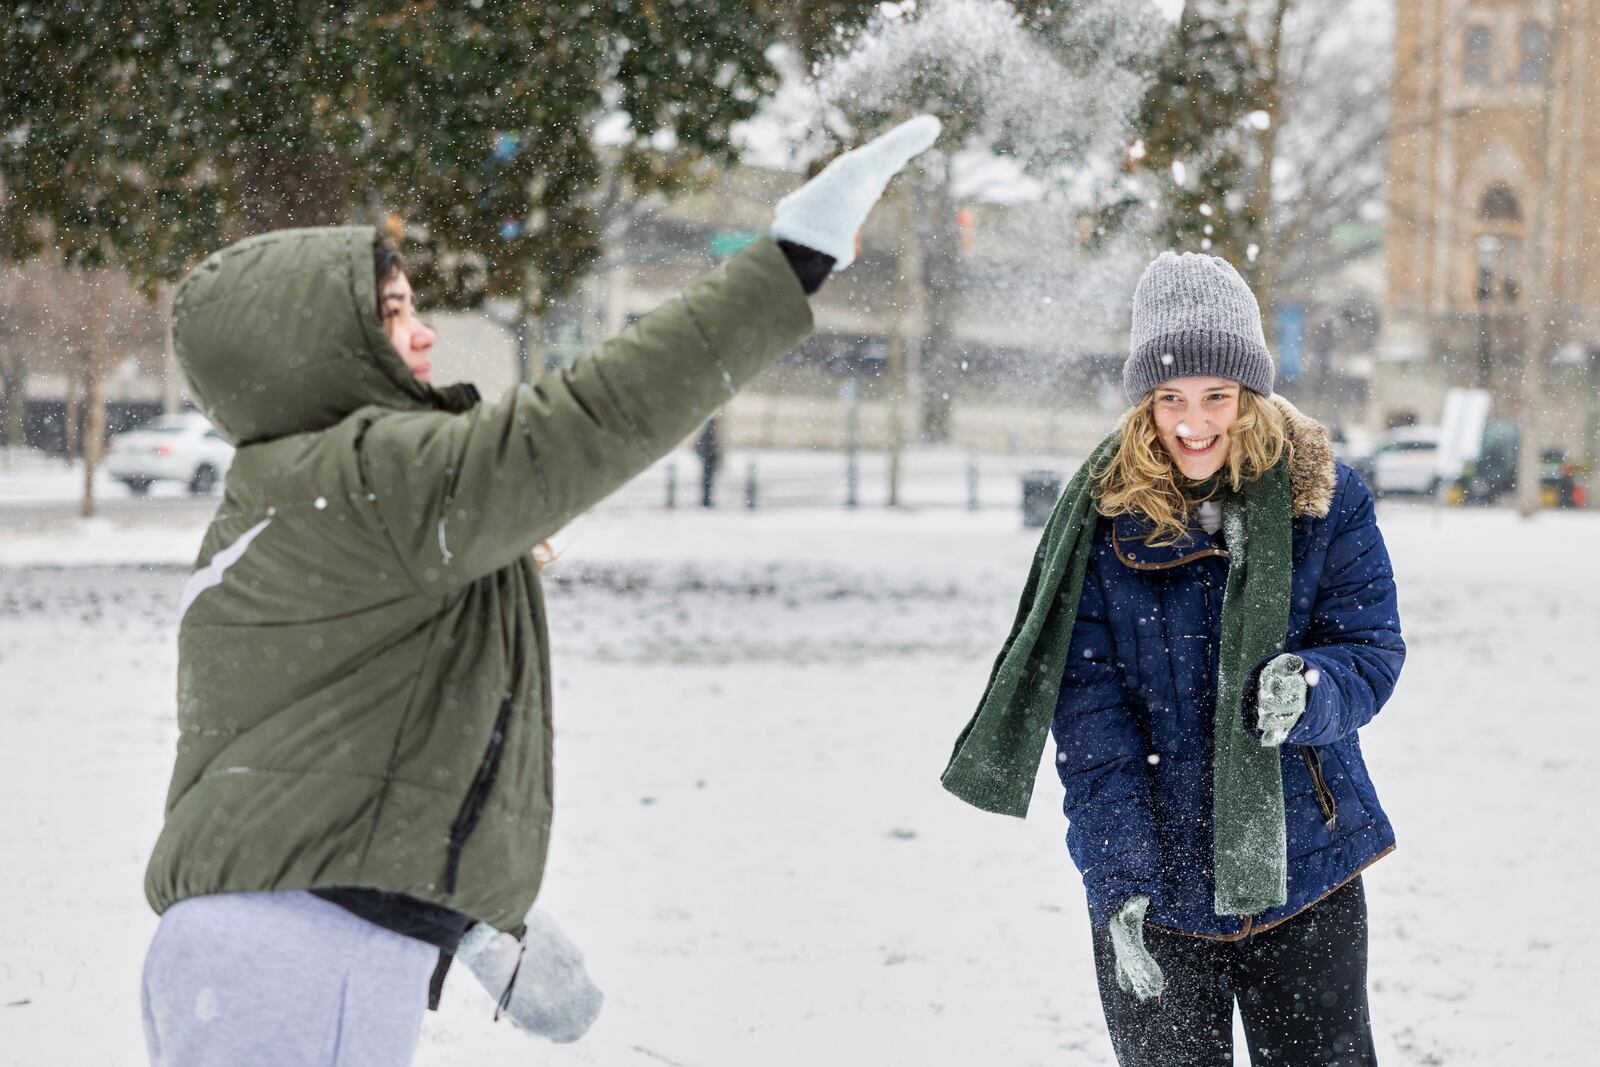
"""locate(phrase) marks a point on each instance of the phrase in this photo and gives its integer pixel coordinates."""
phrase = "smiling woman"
(1156, 469)
(1214, 596)
(365, 781)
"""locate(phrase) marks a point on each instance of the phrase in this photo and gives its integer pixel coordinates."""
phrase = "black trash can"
(1040, 490)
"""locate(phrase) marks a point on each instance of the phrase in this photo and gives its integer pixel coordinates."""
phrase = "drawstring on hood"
(278, 334)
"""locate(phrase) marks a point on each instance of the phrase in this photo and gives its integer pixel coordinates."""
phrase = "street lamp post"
(1488, 247)
(1545, 305)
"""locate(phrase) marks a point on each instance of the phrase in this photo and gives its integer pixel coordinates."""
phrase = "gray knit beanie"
(1194, 316)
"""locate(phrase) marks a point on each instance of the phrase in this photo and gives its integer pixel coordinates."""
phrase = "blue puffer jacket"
(1133, 726)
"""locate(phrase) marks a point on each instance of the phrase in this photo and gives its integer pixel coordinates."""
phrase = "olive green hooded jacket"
(363, 664)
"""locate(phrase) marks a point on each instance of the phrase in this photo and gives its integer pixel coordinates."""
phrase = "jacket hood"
(1313, 474)
(278, 334)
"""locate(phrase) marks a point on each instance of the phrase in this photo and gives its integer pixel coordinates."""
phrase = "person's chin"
(1198, 470)
(424, 373)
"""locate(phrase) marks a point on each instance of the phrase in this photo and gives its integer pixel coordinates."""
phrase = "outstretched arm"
(463, 495)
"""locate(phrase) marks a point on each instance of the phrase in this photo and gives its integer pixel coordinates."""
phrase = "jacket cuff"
(1106, 898)
(1319, 713)
(810, 267)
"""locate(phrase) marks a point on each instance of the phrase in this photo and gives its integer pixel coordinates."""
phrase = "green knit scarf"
(996, 758)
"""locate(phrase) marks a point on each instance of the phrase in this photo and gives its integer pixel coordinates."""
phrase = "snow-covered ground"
(752, 844)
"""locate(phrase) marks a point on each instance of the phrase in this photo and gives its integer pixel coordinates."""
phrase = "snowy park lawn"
(751, 843)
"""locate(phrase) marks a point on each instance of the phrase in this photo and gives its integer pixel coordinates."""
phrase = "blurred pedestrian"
(1210, 619)
(363, 778)
(708, 448)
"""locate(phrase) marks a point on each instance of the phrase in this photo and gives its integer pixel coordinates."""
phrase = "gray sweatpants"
(281, 980)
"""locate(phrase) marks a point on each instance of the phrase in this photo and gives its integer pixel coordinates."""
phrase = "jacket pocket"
(477, 797)
(1325, 798)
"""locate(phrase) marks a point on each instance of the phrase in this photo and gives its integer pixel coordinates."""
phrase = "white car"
(1406, 460)
(182, 448)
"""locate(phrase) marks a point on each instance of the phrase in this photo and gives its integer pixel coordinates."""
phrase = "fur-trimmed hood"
(1312, 474)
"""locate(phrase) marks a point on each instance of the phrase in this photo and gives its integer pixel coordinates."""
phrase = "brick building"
(1466, 169)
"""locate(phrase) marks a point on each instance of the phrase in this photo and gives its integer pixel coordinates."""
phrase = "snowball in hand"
(826, 212)
(551, 993)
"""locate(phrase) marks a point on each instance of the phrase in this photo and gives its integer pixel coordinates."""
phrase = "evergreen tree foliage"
(152, 132)
(1277, 112)
(1196, 146)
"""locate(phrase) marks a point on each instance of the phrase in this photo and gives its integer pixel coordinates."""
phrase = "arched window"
(1499, 204)
(1475, 61)
(1535, 54)
(1499, 249)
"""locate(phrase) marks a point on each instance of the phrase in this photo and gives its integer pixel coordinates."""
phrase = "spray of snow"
(1037, 97)
(1038, 114)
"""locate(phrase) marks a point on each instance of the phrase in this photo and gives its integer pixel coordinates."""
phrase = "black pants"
(1301, 988)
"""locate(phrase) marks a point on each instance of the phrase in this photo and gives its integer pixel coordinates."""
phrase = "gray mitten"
(539, 981)
(1280, 698)
(826, 212)
(1137, 971)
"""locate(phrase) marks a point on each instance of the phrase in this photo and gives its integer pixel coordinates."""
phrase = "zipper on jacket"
(1325, 800)
(477, 797)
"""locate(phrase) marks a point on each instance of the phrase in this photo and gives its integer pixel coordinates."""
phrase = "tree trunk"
(897, 345)
(1545, 304)
(13, 406)
(72, 431)
(941, 249)
(1260, 273)
(94, 428)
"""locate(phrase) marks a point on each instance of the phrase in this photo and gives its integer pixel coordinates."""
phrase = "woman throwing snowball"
(364, 771)
(1209, 620)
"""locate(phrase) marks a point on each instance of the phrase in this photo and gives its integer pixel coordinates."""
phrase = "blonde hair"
(1141, 478)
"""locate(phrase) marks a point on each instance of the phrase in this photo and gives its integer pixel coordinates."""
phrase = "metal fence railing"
(793, 478)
